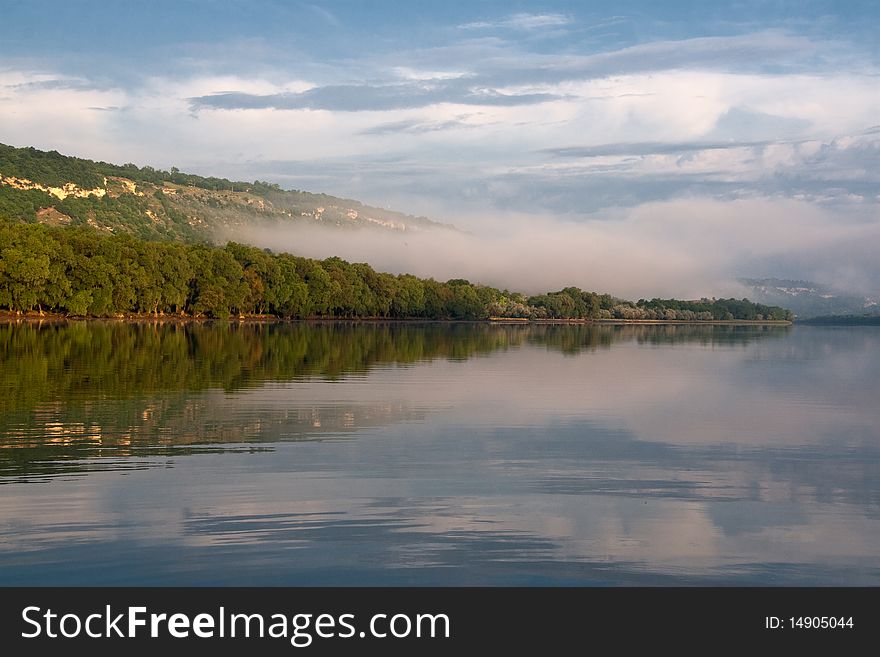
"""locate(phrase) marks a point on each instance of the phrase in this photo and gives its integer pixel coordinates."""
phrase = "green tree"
(25, 257)
(218, 287)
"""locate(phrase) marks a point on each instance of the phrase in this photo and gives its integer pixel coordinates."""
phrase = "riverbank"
(646, 322)
(7, 316)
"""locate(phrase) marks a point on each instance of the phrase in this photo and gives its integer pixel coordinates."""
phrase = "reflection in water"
(75, 392)
(438, 454)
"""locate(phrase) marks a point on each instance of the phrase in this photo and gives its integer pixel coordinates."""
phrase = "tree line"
(83, 272)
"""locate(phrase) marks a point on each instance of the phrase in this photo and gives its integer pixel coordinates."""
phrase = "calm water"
(438, 454)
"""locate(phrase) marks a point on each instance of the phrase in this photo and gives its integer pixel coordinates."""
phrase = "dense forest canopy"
(79, 271)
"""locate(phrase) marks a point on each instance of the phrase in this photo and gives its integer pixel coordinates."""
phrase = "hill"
(90, 238)
(50, 188)
(807, 299)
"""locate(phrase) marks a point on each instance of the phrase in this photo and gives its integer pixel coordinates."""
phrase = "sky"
(663, 142)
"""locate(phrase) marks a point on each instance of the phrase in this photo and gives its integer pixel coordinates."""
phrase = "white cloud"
(521, 21)
(156, 126)
(410, 73)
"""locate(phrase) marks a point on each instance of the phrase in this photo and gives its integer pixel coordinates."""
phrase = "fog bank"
(685, 248)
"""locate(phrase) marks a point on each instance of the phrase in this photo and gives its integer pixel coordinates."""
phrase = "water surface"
(324, 454)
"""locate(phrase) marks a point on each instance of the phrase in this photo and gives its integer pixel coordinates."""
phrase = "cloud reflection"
(647, 458)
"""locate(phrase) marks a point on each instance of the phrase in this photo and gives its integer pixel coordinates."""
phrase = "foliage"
(80, 271)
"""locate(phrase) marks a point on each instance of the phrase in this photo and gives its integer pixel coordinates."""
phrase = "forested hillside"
(50, 188)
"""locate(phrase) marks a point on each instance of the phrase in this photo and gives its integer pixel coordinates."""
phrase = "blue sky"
(757, 121)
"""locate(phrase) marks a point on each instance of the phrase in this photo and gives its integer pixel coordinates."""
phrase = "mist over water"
(689, 248)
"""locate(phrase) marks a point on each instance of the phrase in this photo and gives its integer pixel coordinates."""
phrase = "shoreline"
(7, 317)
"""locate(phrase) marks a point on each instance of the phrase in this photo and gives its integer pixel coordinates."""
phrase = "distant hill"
(807, 299)
(55, 189)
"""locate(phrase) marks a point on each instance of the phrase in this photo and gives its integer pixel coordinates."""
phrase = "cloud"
(325, 14)
(741, 120)
(731, 126)
(363, 97)
(497, 62)
(416, 127)
(521, 21)
(654, 137)
(640, 149)
(56, 84)
(499, 73)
